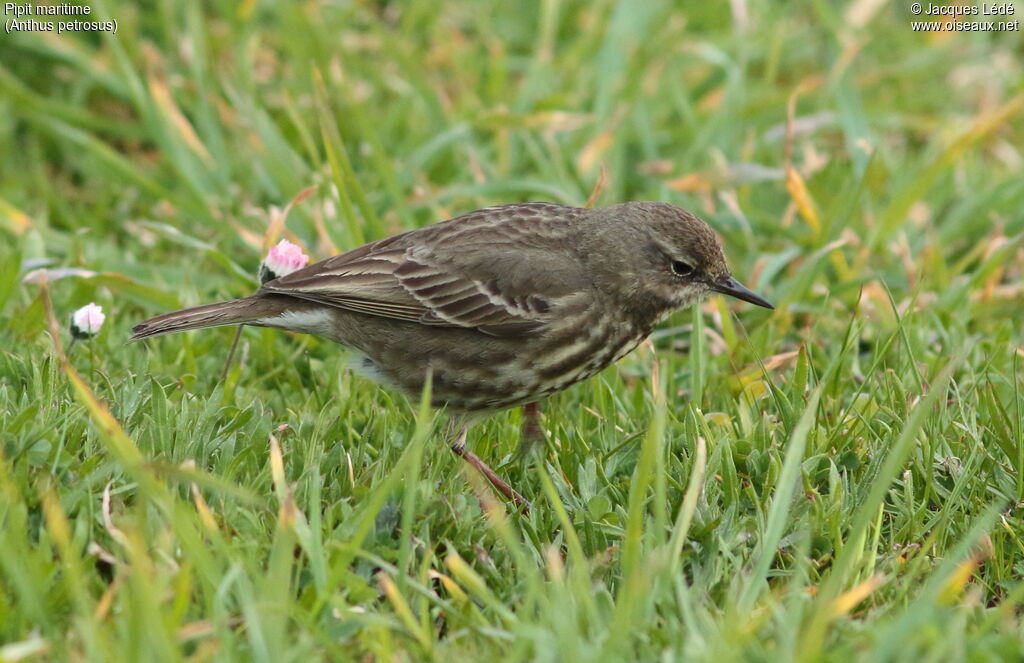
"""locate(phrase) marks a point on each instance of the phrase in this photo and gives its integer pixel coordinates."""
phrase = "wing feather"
(419, 276)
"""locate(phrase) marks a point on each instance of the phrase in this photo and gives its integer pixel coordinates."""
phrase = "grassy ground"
(839, 479)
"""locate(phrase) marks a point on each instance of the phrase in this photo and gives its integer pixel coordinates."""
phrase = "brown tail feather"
(235, 312)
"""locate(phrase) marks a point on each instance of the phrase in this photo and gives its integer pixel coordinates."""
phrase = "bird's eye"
(680, 268)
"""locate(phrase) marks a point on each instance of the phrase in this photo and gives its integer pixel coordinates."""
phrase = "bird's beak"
(730, 286)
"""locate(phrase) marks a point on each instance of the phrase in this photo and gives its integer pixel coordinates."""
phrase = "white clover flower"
(282, 260)
(87, 321)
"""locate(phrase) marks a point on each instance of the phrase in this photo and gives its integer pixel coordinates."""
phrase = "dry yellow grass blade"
(252, 239)
(860, 12)
(56, 521)
(288, 513)
(602, 180)
(956, 583)
(14, 219)
(805, 203)
(554, 564)
(402, 609)
(592, 152)
(164, 101)
(849, 599)
(802, 197)
(557, 121)
(450, 585)
(277, 468)
(465, 574)
(276, 227)
(106, 601)
(982, 126)
(205, 514)
(769, 364)
(692, 183)
(995, 242)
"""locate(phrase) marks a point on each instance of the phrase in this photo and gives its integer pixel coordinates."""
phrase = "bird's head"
(673, 257)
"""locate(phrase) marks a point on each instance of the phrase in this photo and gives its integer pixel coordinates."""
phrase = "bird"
(497, 308)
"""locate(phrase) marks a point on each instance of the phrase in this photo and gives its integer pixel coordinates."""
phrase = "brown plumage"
(502, 306)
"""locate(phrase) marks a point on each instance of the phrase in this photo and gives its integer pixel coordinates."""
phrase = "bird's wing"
(504, 287)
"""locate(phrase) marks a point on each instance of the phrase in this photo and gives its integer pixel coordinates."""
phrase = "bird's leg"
(457, 439)
(531, 432)
(231, 354)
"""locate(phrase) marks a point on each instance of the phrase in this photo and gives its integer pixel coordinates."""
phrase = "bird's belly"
(473, 372)
(462, 386)
(529, 377)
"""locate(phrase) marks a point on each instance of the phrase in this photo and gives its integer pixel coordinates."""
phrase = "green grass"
(839, 479)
